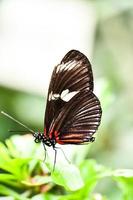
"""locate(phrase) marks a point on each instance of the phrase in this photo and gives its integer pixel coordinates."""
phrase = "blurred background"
(34, 37)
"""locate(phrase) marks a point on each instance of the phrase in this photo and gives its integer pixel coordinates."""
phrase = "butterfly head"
(39, 137)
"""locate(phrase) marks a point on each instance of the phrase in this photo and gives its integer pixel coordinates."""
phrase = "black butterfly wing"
(73, 74)
(78, 120)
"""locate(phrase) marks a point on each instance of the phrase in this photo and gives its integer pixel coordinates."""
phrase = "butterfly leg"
(64, 154)
(45, 150)
(54, 158)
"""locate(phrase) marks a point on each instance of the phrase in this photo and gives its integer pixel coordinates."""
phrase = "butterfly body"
(39, 137)
(73, 112)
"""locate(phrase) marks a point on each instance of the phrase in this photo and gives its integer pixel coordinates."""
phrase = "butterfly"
(73, 112)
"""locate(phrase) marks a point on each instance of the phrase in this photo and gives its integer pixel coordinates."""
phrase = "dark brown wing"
(78, 120)
(73, 74)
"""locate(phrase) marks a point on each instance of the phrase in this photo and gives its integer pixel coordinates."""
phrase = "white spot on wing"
(66, 95)
(55, 96)
(50, 96)
(58, 69)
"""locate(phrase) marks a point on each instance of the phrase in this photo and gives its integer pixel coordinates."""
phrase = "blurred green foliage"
(112, 59)
(28, 108)
(24, 176)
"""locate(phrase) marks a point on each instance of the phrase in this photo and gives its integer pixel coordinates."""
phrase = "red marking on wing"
(51, 134)
(56, 134)
(70, 141)
(59, 141)
(45, 132)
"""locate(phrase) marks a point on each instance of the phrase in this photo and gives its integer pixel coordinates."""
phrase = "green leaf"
(15, 167)
(68, 176)
(9, 179)
(45, 197)
(4, 153)
(98, 196)
(5, 177)
(37, 180)
(124, 178)
(9, 192)
(91, 173)
(17, 146)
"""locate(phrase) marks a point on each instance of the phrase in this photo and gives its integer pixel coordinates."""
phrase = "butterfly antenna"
(15, 120)
(18, 131)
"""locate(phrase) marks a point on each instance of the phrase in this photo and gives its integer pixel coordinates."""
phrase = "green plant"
(24, 175)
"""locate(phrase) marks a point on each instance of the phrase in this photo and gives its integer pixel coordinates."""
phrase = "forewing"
(73, 74)
(78, 120)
